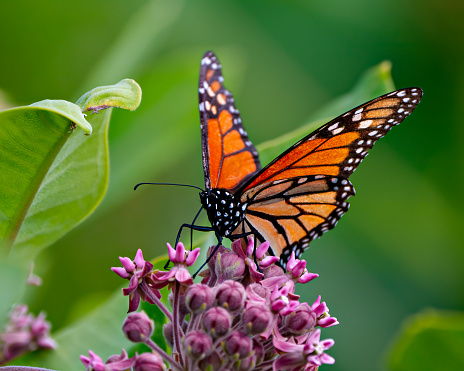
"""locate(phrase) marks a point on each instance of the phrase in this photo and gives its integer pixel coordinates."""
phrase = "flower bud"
(137, 327)
(116, 358)
(149, 362)
(217, 322)
(197, 345)
(229, 266)
(301, 321)
(211, 362)
(238, 345)
(256, 318)
(198, 298)
(168, 334)
(231, 295)
(220, 250)
(245, 364)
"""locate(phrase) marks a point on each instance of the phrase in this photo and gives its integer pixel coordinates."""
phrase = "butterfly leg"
(255, 238)
(210, 255)
(191, 229)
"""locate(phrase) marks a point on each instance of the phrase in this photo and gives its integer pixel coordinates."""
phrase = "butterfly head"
(224, 211)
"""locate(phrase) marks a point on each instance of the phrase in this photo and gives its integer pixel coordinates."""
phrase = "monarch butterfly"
(303, 192)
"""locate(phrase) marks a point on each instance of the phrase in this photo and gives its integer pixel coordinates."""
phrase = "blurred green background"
(398, 250)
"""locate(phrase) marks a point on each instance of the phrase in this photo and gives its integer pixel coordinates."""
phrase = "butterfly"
(303, 192)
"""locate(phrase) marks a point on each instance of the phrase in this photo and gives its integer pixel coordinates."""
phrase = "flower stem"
(152, 345)
(154, 299)
(176, 323)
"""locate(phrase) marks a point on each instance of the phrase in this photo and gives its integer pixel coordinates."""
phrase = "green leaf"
(12, 285)
(375, 82)
(52, 175)
(431, 340)
(125, 94)
(66, 109)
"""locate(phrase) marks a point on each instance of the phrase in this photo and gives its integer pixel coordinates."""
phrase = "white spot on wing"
(365, 124)
(334, 126)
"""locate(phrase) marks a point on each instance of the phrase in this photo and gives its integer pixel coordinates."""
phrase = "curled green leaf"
(67, 109)
(125, 94)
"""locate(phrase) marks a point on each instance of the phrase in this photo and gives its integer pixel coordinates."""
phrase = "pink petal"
(237, 248)
(254, 273)
(327, 322)
(298, 268)
(288, 362)
(262, 249)
(121, 272)
(180, 253)
(325, 358)
(250, 249)
(183, 276)
(127, 264)
(327, 343)
(267, 261)
(314, 337)
(139, 262)
(314, 360)
(291, 262)
(305, 278)
(288, 347)
(133, 283)
(85, 360)
(316, 303)
(47, 343)
(171, 253)
(134, 302)
(192, 257)
(164, 276)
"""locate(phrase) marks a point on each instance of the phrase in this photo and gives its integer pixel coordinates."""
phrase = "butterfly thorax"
(225, 212)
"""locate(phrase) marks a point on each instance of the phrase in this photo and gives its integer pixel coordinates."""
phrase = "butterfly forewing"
(338, 147)
(229, 158)
(303, 192)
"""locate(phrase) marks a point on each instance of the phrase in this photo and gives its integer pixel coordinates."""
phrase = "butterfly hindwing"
(290, 213)
(229, 158)
(303, 192)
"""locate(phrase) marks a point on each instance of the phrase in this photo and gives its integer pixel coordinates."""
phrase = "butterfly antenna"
(172, 184)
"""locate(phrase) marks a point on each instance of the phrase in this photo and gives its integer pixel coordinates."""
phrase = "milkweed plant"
(239, 317)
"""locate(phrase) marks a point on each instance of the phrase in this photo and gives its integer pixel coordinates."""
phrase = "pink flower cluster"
(239, 317)
(24, 333)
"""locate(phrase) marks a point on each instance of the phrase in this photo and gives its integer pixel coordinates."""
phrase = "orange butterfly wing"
(229, 158)
(303, 192)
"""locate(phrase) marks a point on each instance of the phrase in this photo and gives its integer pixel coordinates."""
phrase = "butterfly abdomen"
(224, 211)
